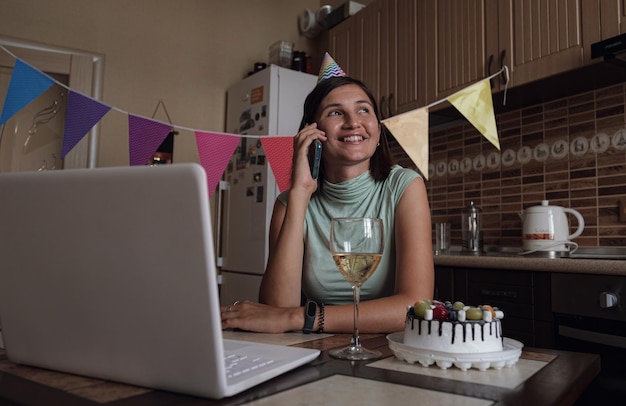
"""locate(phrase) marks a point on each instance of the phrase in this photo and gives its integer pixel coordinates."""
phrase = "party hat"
(329, 69)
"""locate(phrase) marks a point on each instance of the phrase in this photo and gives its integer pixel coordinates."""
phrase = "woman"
(357, 179)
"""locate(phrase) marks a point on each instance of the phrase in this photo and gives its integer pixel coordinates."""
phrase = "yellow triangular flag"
(411, 131)
(476, 104)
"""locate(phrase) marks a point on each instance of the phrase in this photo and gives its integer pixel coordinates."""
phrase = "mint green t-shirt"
(359, 197)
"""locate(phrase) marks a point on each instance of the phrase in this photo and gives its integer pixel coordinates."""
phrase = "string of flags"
(216, 148)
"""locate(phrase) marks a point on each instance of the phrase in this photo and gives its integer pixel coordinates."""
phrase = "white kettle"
(545, 228)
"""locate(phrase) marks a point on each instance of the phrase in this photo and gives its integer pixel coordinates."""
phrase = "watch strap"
(310, 312)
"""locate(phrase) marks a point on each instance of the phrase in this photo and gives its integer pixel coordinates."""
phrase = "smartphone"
(315, 156)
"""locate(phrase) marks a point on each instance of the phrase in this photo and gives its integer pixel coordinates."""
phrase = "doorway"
(26, 144)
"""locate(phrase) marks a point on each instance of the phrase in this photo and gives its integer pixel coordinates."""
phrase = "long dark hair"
(382, 161)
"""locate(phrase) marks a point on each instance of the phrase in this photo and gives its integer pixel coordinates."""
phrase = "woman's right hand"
(301, 175)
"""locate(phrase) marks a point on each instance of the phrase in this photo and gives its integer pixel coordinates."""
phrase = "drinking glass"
(356, 245)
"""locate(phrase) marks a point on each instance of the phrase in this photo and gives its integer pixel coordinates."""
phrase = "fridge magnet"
(256, 178)
(256, 95)
(245, 121)
(252, 150)
(259, 144)
(264, 110)
(249, 191)
(253, 160)
(229, 167)
(242, 163)
(260, 160)
(259, 194)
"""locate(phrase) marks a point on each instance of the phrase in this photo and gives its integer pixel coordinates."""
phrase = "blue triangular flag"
(26, 85)
(82, 114)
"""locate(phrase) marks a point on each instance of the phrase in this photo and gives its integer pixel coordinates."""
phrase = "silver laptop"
(111, 273)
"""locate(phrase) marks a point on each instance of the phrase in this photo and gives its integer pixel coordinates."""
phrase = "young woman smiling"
(357, 179)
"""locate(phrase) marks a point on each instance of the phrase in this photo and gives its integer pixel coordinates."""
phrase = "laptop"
(110, 273)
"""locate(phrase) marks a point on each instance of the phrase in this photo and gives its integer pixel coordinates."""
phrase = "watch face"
(311, 309)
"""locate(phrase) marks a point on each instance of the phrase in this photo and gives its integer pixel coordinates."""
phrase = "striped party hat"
(329, 69)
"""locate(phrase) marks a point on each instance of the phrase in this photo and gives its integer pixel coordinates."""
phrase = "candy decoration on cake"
(329, 69)
(453, 327)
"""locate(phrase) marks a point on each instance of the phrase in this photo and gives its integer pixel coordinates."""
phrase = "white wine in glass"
(356, 245)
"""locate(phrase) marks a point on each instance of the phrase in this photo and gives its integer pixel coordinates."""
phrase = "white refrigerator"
(269, 102)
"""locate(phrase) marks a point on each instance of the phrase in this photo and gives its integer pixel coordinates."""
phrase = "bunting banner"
(144, 138)
(82, 114)
(26, 85)
(279, 152)
(145, 135)
(411, 131)
(215, 150)
(475, 102)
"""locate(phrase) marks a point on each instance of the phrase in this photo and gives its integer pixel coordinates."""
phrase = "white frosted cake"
(453, 328)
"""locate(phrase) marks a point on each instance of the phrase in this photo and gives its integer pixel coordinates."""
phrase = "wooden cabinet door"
(601, 19)
(540, 38)
(344, 45)
(461, 53)
(415, 46)
(366, 44)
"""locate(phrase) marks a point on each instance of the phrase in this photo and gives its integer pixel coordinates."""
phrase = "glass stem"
(356, 291)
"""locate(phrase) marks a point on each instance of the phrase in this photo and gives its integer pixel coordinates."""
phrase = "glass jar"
(471, 231)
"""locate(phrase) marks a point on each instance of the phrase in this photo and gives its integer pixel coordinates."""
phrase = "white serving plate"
(508, 357)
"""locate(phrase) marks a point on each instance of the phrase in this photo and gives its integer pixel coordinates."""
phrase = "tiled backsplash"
(570, 151)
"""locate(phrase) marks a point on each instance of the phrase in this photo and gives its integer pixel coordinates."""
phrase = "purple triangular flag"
(215, 150)
(144, 138)
(26, 85)
(82, 114)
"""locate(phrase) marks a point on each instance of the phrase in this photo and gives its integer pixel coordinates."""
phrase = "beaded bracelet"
(320, 323)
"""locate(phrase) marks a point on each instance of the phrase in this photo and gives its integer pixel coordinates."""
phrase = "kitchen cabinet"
(524, 297)
(345, 46)
(535, 39)
(386, 45)
(460, 52)
(602, 19)
(415, 52)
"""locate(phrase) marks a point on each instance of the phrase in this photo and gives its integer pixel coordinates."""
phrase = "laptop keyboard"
(239, 364)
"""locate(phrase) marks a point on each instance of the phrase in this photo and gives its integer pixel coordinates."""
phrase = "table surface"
(560, 382)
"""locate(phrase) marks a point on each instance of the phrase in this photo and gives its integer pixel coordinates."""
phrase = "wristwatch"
(310, 311)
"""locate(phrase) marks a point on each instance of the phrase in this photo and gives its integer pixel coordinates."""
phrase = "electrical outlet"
(622, 211)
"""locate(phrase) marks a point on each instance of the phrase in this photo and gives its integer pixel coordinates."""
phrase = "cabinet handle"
(382, 107)
(489, 70)
(498, 293)
(389, 105)
(503, 75)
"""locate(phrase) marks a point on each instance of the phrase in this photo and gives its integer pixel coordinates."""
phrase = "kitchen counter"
(513, 261)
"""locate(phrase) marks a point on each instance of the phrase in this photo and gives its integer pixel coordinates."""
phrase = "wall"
(184, 52)
(571, 151)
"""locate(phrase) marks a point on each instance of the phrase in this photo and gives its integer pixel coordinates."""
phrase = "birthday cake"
(453, 327)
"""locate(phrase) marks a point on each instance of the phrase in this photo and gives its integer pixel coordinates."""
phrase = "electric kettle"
(545, 229)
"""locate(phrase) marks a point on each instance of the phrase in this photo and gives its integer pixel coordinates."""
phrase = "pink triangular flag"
(279, 152)
(144, 138)
(82, 114)
(215, 151)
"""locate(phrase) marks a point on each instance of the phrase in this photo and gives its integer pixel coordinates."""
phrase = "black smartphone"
(315, 156)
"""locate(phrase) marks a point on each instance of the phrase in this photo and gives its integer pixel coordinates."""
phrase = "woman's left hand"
(262, 318)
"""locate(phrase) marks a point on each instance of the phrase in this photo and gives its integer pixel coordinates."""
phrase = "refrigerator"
(269, 102)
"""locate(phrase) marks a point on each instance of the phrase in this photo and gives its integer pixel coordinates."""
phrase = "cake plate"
(508, 357)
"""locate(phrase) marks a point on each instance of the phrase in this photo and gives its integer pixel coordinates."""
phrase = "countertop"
(514, 261)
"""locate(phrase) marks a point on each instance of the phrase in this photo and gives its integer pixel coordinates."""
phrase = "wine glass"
(356, 245)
